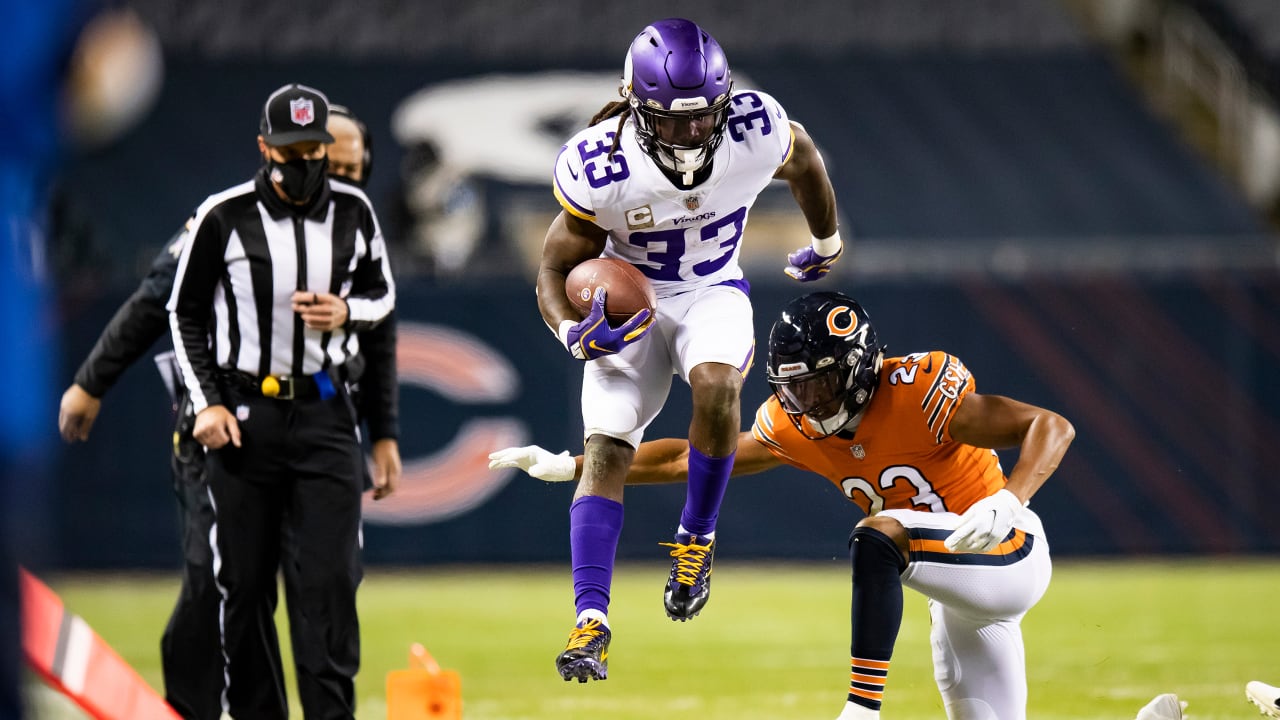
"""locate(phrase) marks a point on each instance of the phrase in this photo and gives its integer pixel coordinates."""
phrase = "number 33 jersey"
(680, 239)
(902, 456)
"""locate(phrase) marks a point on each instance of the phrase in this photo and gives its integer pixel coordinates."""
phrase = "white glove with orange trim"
(536, 461)
(985, 524)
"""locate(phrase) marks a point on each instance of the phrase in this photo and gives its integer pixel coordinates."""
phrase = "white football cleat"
(1163, 707)
(1266, 697)
(854, 711)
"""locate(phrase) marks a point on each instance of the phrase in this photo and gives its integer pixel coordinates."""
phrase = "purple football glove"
(593, 337)
(806, 264)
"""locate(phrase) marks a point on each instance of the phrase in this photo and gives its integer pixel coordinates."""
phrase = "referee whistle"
(270, 386)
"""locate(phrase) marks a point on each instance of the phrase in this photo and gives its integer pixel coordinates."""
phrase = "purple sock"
(595, 523)
(708, 478)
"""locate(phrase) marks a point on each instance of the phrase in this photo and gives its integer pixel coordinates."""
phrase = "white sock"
(854, 711)
(709, 536)
(593, 614)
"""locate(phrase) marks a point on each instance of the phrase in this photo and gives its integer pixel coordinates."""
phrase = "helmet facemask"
(822, 402)
(680, 141)
(824, 363)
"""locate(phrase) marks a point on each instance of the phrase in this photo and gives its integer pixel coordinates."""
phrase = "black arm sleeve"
(135, 327)
(372, 283)
(380, 384)
(199, 271)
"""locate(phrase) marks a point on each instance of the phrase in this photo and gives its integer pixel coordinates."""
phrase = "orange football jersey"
(902, 456)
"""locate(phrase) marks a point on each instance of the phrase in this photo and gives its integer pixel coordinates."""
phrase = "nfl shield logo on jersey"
(692, 202)
(858, 452)
(302, 111)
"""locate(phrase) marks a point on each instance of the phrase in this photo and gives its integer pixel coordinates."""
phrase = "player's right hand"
(536, 461)
(215, 427)
(985, 524)
(593, 337)
(76, 413)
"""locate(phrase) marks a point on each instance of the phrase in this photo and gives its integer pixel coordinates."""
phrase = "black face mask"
(299, 179)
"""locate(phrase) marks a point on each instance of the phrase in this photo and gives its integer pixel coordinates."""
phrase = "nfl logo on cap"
(302, 110)
(294, 114)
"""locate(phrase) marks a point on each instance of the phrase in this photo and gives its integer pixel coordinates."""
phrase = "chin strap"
(688, 162)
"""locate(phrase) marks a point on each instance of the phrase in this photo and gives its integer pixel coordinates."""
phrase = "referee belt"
(287, 387)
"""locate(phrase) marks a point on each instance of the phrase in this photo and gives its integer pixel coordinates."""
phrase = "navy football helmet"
(824, 362)
(676, 81)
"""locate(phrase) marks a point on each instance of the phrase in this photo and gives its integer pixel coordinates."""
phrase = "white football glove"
(985, 524)
(539, 463)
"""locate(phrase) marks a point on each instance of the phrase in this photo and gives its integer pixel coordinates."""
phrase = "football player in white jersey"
(941, 515)
(664, 180)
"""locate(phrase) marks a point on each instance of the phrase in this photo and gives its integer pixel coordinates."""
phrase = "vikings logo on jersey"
(680, 239)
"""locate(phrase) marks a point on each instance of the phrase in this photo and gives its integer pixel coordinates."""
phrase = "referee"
(190, 650)
(278, 275)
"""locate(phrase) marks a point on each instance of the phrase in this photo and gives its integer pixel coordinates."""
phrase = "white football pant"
(623, 393)
(976, 604)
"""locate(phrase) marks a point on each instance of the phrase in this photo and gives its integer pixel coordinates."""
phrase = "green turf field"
(773, 643)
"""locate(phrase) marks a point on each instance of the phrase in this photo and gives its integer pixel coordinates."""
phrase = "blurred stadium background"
(1077, 197)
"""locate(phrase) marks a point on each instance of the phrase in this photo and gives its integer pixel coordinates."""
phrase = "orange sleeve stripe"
(868, 679)
(872, 664)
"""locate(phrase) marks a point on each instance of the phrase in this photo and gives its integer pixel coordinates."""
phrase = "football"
(627, 289)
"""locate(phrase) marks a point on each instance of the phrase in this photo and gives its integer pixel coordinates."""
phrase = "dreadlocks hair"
(620, 109)
(612, 109)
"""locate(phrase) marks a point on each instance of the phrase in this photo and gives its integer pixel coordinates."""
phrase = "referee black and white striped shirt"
(248, 252)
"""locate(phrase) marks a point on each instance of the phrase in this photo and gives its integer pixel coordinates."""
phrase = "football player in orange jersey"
(910, 441)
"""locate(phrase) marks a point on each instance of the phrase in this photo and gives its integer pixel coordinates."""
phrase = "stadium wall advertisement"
(1169, 382)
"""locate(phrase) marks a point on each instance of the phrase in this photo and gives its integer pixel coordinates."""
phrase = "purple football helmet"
(676, 80)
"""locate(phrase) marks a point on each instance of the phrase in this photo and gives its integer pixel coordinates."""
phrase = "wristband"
(562, 332)
(828, 246)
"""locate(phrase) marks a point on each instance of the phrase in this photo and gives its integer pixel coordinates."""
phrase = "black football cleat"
(689, 586)
(586, 656)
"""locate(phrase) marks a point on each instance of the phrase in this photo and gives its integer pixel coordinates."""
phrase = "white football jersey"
(680, 239)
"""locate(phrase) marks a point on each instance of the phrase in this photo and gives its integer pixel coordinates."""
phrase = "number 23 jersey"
(902, 456)
(680, 239)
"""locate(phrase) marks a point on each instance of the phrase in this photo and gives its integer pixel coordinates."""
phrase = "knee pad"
(869, 547)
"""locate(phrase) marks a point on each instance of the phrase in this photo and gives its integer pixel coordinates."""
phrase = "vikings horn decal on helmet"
(824, 362)
(676, 80)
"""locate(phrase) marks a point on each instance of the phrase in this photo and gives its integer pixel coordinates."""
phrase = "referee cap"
(295, 113)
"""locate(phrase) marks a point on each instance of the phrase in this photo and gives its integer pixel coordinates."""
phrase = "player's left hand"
(805, 264)
(386, 467)
(536, 461)
(985, 524)
(320, 311)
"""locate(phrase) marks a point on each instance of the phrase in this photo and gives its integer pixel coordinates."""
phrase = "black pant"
(289, 498)
(191, 648)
